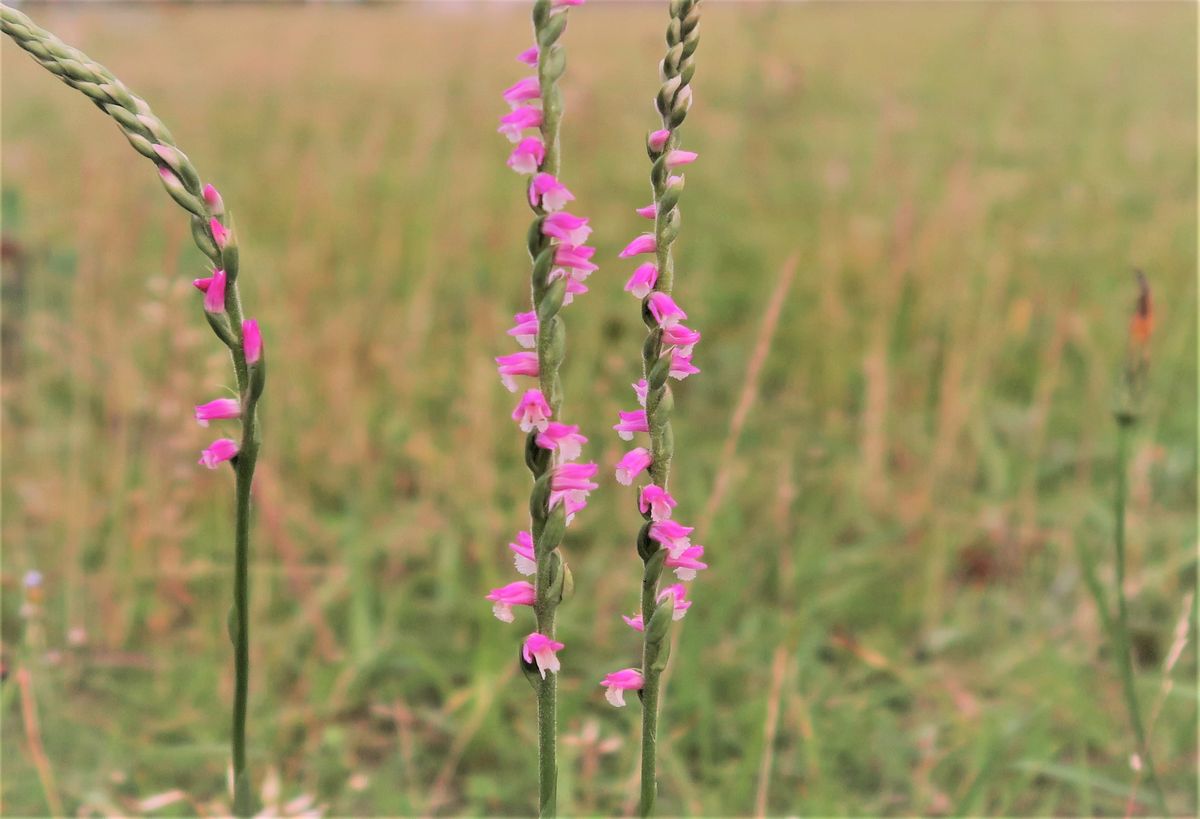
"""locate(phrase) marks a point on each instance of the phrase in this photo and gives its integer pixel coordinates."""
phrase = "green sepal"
(258, 379)
(652, 346)
(550, 30)
(126, 119)
(541, 13)
(666, 95)
(543, 263)
(677, 8)
(555, 588)
(689, 21)
(691, 41)
(659, 664)
(658, 171)
(674, 31)
(646, 548)
(551, 301)
(653, 568)
(552, 345)
(186, 200)
(118, 93)
(140, 144)
(219, 322)
(657, 376)
(553, 530)
(679, 110)
(530, 670)
(76, 71)
(568, 583)
(667, 228)
(659, 403)
(660, 622)
(203, 239)
(668, 198)
(687, 72)
(229, 253)
(536, 458)
(535, 242)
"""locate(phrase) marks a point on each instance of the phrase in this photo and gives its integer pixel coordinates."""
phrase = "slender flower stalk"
(666, 353)
(214, 234)
(1126, 413)
(561, 262)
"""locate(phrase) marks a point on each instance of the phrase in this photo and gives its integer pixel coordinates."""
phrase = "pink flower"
(570, 484)
(212, 198)
(214, 296)
(658, 139)
(526, 329)
(527, 156)
(634, 622)
(630, 466)
(574, 288)
(220, 233)
(571, 505)
(679, 601)
(642, 244)
(664, 309)
(617, 683)
(516, 364)
(519, 593)
(681, 337)
(533, 411)
(640, 388)
(252, 344)
(517, 120)
(575, 259)
(546, 189)
(563, 437)
(677, 158)
(522, 90)
(219, 450)
(561, 3)
(566, 227)
(647, 212)
(523, 554)
(687, 562)
(681, 366)
(217, 409)
(643, 280)
(529, 56)
(671, 535)
(202, 284)
(540, 649)
(631, 422)
(657, 501)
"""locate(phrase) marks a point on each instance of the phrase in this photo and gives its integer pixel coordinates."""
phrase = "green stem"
(247, 456)
(1121, 638)
(547, 707)
(649, 694)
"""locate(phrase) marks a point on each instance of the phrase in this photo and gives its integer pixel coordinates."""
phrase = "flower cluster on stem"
(561, 260)
(663, 542)
(214, 234)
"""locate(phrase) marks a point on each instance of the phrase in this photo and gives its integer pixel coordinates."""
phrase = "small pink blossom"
(630, 423)
(682, 338)
(252, 344)
(562, 3)
(647, 212)
(681, 366)
(634, 622)
(679, 601)
(519, 593)
(617, 683)
(566, 227)
(516, 364)
(643, 280)
(677, 158)
(630, 466)
(220, 233)
(526, 329)
(202, 284)
(523, 90)
(217, 409)
(519, 119)
(563, 437)
(529, 56)
(214, 296)
(212, 198)
(523, 555)
(574, 288)
(571, 505)
(570, 484)
(542, 650)
(658, 139)
(657, 501)
(527, 156)
(642, 244)
(640, 389)
(549, 192)
(664, 309)
(671, 536)
(687, 562)
(533, 411)
(576, 260)
(219, 450)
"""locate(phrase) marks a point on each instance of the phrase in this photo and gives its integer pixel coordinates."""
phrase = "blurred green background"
(942, 205)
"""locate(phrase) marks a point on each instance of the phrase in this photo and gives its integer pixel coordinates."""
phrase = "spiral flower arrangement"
(213, 233)
(561, 265)
(663, 542)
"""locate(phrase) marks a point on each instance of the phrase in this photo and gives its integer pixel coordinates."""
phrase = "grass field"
(943, 204)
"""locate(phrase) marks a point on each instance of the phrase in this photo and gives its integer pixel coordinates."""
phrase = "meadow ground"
(895, 620)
